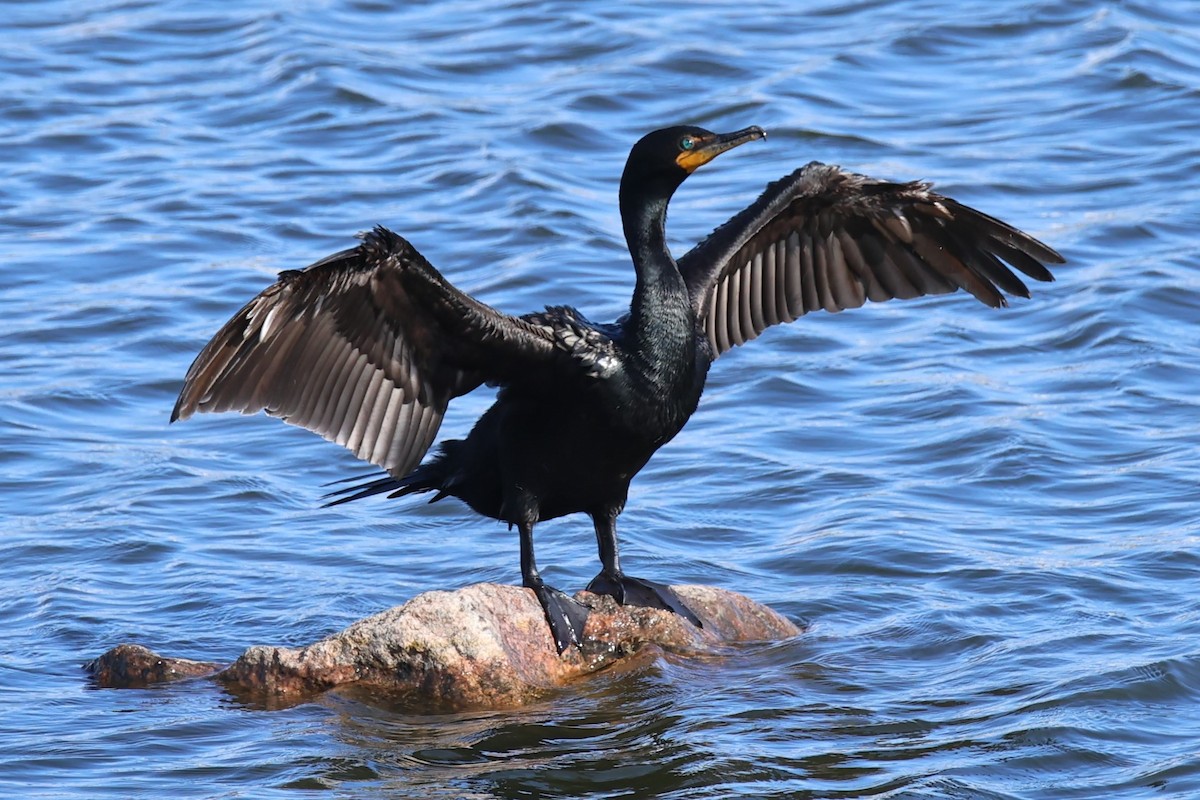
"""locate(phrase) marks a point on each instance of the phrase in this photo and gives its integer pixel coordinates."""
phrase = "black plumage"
(368, 346)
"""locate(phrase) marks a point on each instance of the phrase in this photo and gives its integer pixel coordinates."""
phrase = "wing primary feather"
(277, 359)
(229, 393)
(954, 270)
(1022, 260)
(987, 265)
(922, 277)
(222, 385)
(1006, 234)
(316, 375)
(298, 366)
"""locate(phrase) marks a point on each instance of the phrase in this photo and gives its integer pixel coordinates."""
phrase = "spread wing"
(366, 348)
(822, 238)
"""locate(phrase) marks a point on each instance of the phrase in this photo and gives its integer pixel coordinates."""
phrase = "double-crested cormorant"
(368, 346)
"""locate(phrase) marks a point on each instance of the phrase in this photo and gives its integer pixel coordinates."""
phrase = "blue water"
(989, 519)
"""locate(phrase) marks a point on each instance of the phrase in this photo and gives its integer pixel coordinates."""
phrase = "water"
(988, 519)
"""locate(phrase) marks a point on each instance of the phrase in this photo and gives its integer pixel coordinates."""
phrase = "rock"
(482, 646)
(133, 666)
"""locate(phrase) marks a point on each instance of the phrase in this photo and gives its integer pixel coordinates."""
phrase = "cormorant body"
(368, 346)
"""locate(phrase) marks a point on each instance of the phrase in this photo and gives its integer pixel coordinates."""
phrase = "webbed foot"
(630, 591)
(566, 616)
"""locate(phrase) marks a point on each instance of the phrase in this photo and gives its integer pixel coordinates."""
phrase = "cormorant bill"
(368, 346)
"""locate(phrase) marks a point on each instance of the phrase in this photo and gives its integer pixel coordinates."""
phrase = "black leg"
(566, 617)
(625, 589)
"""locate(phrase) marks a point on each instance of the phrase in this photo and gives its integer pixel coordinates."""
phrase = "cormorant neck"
(644, 218)
(660, 316)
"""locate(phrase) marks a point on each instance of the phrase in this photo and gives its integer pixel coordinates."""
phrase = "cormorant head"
(662, 159)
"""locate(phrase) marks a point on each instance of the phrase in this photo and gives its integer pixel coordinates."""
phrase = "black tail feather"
(428, 477)
(425, 478)
(360, 490)
(360, 476)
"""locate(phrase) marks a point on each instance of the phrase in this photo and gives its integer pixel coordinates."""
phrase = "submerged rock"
(482, 646)
(131, 666)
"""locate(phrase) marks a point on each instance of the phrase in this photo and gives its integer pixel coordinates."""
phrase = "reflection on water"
(986, 517)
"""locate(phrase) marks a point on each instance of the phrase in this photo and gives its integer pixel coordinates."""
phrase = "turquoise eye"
(687, 143)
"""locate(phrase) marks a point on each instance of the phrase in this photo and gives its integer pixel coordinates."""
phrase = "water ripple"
(987, 518)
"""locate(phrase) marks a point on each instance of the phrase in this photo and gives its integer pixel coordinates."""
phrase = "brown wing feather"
(366, 348)
(827, 239)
